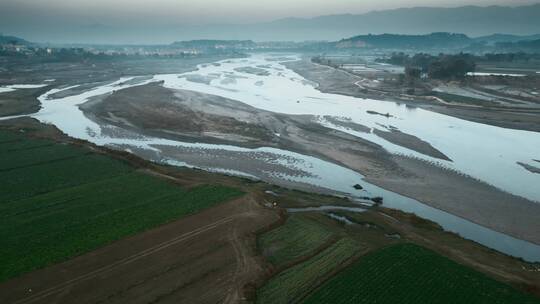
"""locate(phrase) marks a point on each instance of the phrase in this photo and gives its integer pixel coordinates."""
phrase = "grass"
(296, 282)
(30, 156)
(8, 136)
(11, 146)
(407, 273)
(29, 181)
(59, 201)
(299, 236)
(448, 97)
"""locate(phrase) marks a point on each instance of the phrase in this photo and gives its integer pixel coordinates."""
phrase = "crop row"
(408, 273)
(59, 201)
(294, 283)
(299, 236)
(38, 155)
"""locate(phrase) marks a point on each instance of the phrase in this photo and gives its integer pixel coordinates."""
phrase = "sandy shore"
(465, 197)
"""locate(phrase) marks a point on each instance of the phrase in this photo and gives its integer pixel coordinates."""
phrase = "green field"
(58, 201)
(408, 273)
(299, 236)
(291, 285)
(453, 98)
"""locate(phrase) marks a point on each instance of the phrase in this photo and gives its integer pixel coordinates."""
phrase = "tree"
(413, 72)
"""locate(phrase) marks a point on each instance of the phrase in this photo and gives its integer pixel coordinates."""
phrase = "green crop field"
(299, 236)
(294, 283)
(448, 97)
(408, 273)
(58, 201)
(9, 136)
(32, 156)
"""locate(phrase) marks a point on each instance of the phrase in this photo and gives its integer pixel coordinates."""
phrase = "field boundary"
(125, 261)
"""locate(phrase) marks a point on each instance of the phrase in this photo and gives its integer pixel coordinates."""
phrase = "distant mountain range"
(13, 40)
(440, 41)
(434, 42)
(473, 21)
(470, 20)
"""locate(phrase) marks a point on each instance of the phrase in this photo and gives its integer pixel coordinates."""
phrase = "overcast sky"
(208, 11)
(164, 21)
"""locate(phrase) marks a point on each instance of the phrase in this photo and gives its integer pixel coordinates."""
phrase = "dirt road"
(205, 258)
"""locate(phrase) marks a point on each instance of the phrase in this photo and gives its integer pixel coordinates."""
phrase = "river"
(487, 153)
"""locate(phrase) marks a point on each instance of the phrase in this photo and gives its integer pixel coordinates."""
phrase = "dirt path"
(171, 264)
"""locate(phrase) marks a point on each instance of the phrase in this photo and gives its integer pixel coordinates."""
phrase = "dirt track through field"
(125, 261)
(178, 264)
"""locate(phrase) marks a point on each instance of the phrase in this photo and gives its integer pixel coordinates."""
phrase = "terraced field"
(293, 284)
(304, 251)
(58, 201)
(298, 237)
(407, 273)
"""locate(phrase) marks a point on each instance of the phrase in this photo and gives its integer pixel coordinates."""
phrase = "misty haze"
(269, 151)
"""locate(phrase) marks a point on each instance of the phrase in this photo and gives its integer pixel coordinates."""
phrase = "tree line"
(455, 66)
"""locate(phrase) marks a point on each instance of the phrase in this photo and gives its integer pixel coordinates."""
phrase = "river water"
(480, 151)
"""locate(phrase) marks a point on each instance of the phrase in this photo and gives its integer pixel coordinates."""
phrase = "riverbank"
(306, 140)
(151, 110)
(331, 80)
(229, 260)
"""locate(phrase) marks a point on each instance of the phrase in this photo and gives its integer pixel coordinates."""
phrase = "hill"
(496, 38)
(393, 41)
(13, 40)
(520, 46)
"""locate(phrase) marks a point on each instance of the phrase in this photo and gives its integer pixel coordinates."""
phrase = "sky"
(207, 11)
(164, 21)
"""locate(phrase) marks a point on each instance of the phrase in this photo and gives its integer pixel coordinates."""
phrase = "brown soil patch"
(204, 258)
